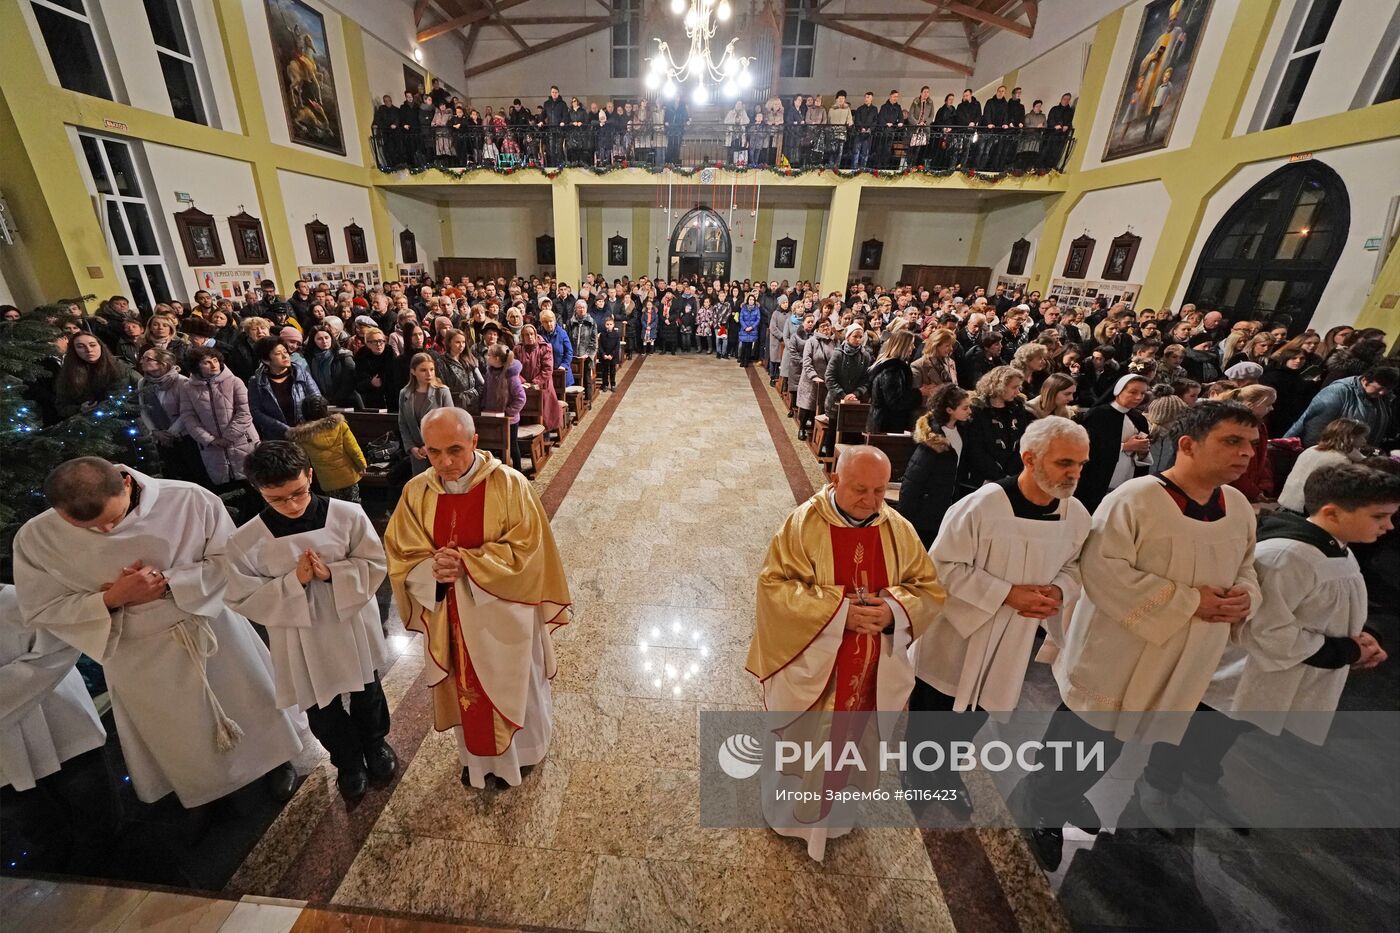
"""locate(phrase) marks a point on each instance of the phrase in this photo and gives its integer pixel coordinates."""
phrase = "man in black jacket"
(410, 131)
(969, 113)
(864, 119)
(556, 115)
(995, 120)
(386, 125)
(945, 123)
(891, 128)
(1059, 124)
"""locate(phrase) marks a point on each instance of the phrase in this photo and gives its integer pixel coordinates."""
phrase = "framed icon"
(871, 252)
(617, 250)
(785, 254)
(355, 246)
(249, 244)
(408, 246)
(318, 236)
(199, 237)
(1020, 252)
(544, 250)
(1121, 254)
(1081, 249)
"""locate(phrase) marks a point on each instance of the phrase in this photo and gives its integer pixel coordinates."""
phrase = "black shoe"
(1083, 817)
(1047, 844)
(352, 782)
(801, 435)
(382, 762)
(282, 782)
(466, 777)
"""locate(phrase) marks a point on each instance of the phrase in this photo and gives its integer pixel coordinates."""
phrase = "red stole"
(460, 522)
(858, 561)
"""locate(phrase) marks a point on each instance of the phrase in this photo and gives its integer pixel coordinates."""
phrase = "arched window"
(1274, 250)
(700, 246)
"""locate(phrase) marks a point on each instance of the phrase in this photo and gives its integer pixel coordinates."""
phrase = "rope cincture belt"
(200, 644)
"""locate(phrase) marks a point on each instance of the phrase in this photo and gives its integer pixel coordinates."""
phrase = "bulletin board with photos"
(411, 273)
(1072, 292)
(1013, 282)
(368, 273)
(229, 282)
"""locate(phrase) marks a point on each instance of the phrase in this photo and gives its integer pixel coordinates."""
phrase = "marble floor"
(663, 501)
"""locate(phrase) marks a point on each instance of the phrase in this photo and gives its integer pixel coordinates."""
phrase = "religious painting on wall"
(544, 250)
(318, 237)
(1155, 82)
(1020, 252)
(1077, 262)
(1121, 253)
(871, 252)
(249, 244)
(199, 238)
(617, 250)
(302, 59)
(355, 244)
(785, 256)
(408, 247)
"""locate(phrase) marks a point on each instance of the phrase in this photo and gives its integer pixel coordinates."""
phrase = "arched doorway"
(700, 246)
(1274, 250)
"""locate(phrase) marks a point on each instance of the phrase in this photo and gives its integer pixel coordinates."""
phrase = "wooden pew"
(577, 394)
(813, 444)
(899, 448)
(368, 427)
(571, 396)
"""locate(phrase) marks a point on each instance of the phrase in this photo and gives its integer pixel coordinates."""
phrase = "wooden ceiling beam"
(544, 46)
(508, 26)
(466, 19)
(893, 45)
(892, 17)
(419, 8)
(557, 20)
(982, 16)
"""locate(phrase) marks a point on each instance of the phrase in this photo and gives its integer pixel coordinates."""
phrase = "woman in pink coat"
(536, 358)
(214, 409)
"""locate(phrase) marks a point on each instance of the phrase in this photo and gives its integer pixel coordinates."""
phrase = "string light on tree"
(729, 72)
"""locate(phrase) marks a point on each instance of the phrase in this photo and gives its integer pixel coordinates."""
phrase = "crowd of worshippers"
(963, 369)
(437, 128)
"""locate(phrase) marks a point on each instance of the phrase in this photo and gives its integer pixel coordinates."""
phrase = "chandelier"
(730, 72)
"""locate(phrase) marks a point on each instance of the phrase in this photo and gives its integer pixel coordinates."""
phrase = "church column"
(835, 266)
(568, 258)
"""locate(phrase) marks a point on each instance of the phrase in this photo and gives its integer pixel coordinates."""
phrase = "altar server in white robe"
(46, 715)
(475, 570)
(128, 569)
(1310, 630)
(307, 568)
(1168, 569)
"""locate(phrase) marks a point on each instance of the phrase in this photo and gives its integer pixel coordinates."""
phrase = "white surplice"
(978, 648)
(177, 667)
(46, 715)
(326, 638)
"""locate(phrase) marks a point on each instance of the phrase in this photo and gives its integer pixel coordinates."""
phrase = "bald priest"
(845, 588)
(474, 568)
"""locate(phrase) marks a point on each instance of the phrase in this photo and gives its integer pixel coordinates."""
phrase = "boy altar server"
(129, 569)
(1310, 627)
(307, 568)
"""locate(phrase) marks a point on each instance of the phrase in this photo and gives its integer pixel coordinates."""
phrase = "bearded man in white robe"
(475, 570)
(127, 568)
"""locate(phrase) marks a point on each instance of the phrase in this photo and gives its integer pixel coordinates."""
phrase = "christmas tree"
(32, 448)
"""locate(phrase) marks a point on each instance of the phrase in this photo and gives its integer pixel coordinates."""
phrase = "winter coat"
(160, 405)
(583, 334)
(1257, 481)
(411, 428)
(1294, 393)
(369, 364)
(464, 381)
(1105, 426)
(515, 390)
(816, 356)
(792, 352)
(748, 323)
(267, 414)
(895, 399)
(777, 333)
(216, 408)
(991, 442)
(563, 347)
(537, 368)
(847, 374)
(334, 373)
(930, 483)
(1342, 399)
(242, 359)
(335, 455)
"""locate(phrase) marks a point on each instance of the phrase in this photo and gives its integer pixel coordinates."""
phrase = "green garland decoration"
(690, 172)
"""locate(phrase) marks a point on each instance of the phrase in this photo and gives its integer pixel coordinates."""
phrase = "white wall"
(390, 22)
(1057, 72)
(1003, 226)
(913, 237)
(1058, 21)
(1371, 173)
(1357, 38)
(500, 232)
(219, 186)
(423, 218)
(255, 14)
(1107, 213)
(333, 203)
(1208, 55)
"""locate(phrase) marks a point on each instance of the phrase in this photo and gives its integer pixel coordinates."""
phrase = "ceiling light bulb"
(678, 7)
(723, 11)
(701, 96)
(657, 65)
(652, 81)
(731, 90)
(745, 79)
(418, 55)
(731, 66)
(669, 90)
(690, 17)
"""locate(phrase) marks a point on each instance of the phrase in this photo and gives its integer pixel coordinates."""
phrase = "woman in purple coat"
(214, 410)
(535, 357)
(505, 393)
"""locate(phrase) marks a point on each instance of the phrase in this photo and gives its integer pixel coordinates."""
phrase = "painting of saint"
(1157, 73)
(301, 54)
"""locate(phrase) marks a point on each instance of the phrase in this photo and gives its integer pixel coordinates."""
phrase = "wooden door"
(928, 276)
(460, 267)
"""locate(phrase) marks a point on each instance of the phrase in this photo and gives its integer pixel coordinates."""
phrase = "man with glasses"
(307, 569)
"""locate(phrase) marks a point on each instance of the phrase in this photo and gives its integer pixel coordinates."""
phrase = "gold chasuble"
(480, 647)
(814, 562)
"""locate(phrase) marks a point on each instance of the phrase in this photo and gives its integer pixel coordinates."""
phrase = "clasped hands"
(447, 565)
(870, 618)
(1223, 604)
(136, 584)
(311, 567)
(1034, 602)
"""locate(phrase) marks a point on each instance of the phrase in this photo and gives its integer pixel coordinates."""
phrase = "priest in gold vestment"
(474, 569)
(845, 588)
